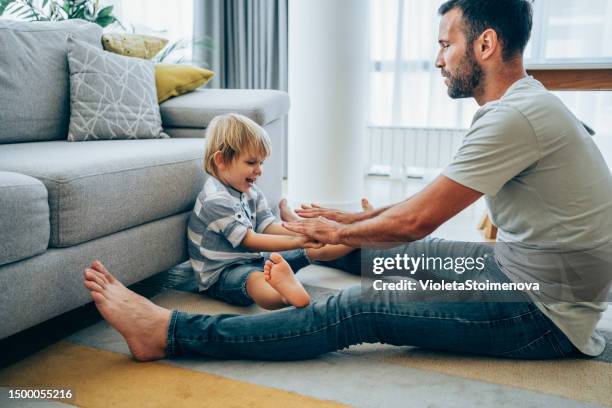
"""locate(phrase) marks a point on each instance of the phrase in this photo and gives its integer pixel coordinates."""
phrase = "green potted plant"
(55, 10)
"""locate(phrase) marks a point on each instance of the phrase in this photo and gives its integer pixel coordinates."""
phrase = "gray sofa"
(125, 202)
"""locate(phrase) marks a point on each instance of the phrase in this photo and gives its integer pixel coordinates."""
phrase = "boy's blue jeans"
(507, 329)
(231, 286)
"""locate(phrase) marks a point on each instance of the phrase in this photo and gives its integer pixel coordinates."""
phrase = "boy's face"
(242, 172)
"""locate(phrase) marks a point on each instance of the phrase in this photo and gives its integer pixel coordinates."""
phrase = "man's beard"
(466, 79)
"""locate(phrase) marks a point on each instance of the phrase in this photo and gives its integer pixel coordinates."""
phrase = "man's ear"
(487, 44)
(218, 158)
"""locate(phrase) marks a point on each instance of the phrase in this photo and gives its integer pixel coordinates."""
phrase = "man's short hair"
(511, 19)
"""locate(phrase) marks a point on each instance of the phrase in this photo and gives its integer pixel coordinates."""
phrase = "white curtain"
(406, 89)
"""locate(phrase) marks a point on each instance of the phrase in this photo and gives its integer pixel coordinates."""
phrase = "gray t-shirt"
(549, 191)
(217, 226)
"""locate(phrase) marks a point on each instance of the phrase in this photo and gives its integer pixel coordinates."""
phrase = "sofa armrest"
(196, 109)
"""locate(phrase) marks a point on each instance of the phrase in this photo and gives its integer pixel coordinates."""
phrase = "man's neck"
(497, 81)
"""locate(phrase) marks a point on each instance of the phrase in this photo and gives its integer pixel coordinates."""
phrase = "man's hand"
(319, 229)
(316, 211)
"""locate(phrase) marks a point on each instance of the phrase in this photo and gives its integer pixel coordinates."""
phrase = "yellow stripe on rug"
(576, 379)
(100, 378)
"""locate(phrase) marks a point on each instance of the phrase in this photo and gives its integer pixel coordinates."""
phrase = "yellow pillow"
(177, 79)
(133, 45)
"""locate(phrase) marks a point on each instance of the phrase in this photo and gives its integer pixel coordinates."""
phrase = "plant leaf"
(106, 11)
(104, 21)
(4, 4)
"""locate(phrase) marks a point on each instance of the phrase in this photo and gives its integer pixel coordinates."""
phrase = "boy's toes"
(365, 205)
(276, 258)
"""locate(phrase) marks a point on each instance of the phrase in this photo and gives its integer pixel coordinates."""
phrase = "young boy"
(231, 225)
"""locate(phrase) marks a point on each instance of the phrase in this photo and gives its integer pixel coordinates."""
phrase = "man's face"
(456, 58)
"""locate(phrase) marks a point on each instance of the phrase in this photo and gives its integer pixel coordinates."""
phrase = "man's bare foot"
(279, 275)
(286, 212)
(143, 325)
(365, 205)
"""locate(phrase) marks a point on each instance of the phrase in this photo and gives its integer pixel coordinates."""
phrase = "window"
(172, 20)
(566, 32)
(406, 89)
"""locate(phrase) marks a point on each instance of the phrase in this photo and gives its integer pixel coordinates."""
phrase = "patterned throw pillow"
(133, 45)
(111, 96)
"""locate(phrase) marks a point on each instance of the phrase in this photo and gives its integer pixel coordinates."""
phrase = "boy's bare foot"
(286, 212)
(143, 325)
(365, 205)
(279, 275)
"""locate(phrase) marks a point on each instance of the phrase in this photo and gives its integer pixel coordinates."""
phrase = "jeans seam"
(170, 339)
(556, 344)
(305, 255)
(244, 288)
(546, 333)
(308, 333)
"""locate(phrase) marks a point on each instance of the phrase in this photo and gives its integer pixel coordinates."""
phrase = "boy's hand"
(307, 242)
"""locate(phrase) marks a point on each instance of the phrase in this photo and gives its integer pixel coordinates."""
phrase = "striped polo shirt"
(218, 223)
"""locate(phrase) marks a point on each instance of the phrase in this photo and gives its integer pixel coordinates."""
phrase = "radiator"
(401, 152)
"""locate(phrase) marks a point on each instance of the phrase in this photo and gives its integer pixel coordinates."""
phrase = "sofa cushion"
(24, 219)
(34, 77)
(133, 45)
(111, 96)
(196, 109)
(185, 132)
(100, 187)
(178, 79)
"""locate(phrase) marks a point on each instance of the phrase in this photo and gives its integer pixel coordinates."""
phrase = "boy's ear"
(218, 158)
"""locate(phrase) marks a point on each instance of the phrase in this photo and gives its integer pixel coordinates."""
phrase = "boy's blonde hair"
(233, 134)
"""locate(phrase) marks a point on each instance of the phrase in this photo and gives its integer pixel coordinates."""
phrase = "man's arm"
(410, 220)
(270, 243)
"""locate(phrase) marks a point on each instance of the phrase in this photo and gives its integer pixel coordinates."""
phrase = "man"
(545, 183)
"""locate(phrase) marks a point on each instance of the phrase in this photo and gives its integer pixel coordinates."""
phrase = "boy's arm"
(271, 243)
(277, 229)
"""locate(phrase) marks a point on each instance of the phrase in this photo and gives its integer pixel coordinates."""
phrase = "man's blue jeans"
(507, 329)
